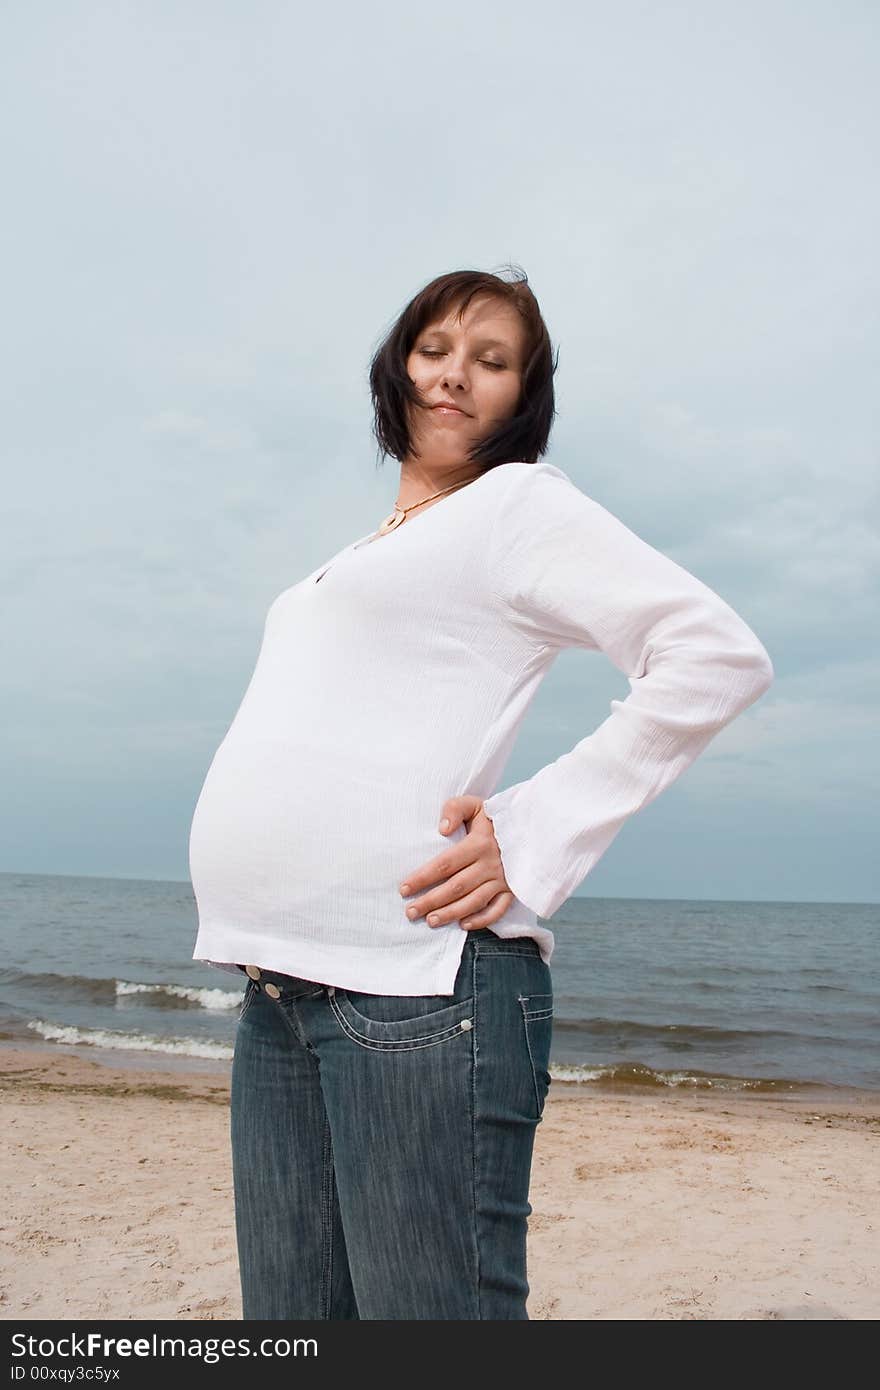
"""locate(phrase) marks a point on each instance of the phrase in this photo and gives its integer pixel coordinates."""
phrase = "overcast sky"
(212, 214)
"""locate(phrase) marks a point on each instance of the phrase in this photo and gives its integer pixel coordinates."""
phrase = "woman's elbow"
(750, 675)
(762, 669)
(742, 675)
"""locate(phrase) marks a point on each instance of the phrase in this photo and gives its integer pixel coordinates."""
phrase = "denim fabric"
(382, 1144)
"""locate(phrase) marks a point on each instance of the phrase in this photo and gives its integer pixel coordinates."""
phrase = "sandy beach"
(646, 1205)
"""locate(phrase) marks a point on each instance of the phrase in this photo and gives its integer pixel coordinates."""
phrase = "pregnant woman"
(351, 856)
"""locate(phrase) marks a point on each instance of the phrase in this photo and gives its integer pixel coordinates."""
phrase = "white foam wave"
(570, 1072)
(561, 1071)
(130, 1042)
(214, 999)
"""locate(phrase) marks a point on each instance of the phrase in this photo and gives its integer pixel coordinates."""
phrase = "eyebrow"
(484, 342)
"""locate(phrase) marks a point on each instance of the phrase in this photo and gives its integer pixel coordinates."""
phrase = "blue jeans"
(382, 1144)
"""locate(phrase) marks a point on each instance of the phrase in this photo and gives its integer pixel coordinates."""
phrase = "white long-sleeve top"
(396, 675)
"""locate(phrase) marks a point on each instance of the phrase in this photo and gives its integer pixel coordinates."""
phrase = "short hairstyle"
(525, 434)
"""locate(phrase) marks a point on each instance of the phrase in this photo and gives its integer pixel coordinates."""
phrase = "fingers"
(450, 904)
(476, 853)
(493, 912)
(452, 861)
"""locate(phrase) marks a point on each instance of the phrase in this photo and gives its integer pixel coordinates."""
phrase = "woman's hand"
(475, 893)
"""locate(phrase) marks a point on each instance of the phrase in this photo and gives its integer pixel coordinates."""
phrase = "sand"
(117, 1198)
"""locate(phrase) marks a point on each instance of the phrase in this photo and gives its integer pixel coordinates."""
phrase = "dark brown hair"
(525, 434)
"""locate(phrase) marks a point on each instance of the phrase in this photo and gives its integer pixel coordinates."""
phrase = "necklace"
(399, 514)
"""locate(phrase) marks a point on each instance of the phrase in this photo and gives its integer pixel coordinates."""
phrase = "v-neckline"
(373, 537)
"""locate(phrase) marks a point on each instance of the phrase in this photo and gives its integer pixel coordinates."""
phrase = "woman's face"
(477, 364)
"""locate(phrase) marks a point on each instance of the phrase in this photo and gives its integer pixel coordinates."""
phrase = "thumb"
(457, 810)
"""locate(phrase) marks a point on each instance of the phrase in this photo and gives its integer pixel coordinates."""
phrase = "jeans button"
(272, 990)
(254, 971)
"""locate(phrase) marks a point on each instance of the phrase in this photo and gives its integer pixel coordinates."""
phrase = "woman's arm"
(567, 573)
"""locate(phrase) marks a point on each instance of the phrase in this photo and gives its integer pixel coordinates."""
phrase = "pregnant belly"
(280, 829)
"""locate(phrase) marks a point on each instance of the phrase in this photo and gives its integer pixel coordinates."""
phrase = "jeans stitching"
(294, 1023)
(475, 1178)
(492, 951)
(416, 1018)
(247, 1000)
(327, 1223)
(531, 1017)
(288, 998)
(391, 1044)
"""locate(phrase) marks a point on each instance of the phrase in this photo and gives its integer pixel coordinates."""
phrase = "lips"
(447, 405)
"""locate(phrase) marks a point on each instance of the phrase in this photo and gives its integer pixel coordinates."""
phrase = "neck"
(419, 480)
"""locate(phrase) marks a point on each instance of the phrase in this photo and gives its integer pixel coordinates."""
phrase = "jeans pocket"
(537, 1017)
(399, 1022)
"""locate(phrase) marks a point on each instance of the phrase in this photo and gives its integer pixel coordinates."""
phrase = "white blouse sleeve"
(568, 573)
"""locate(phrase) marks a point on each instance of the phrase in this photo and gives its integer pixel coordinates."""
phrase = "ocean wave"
(204, 998)
(129, 1042)
(636, 1074)
(109, 991)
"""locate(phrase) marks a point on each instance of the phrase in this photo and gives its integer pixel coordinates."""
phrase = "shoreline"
(646, 1204)
(186, 1068)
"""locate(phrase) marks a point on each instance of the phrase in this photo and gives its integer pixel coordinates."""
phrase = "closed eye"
(495, 366)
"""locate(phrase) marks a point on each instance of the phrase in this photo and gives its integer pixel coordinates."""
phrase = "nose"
(455, 376)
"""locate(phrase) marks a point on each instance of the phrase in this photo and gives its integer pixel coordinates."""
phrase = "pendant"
(391, 522)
